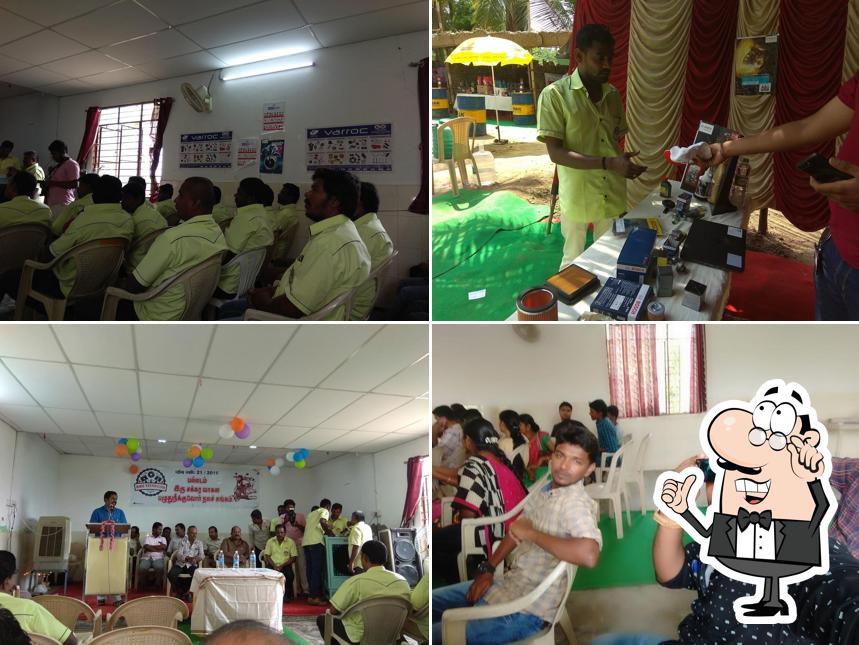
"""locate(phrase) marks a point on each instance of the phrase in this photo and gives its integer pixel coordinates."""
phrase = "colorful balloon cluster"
(297, 457)
(235, 428)
(197, 456)
(129, 447)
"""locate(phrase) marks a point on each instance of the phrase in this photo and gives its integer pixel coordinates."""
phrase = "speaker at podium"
(403, 556)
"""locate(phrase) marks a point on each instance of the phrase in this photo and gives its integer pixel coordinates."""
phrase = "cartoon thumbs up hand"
(675, 494)
(805, 460)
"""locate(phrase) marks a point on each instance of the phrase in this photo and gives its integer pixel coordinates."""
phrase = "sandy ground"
(525, 169)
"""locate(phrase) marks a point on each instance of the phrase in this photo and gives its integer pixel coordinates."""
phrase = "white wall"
(7, 457)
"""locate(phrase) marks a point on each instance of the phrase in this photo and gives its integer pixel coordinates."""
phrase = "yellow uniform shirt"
(174, 251)
(34, 618)
(221, 213)
(381, 247)
(565, 112)
(339, 525)
(145, 219)
(167, 208)
(9, 162)
(69, 212)
(313, 533)
(333, 261)
(358, 534)
(420, 599)
(376, 581)
(36, 170)
(287, 217)
(96, 222)
(23, 210)
(280, 552)
(249, 229)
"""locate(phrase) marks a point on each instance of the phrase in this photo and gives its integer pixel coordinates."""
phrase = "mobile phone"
(818, 167)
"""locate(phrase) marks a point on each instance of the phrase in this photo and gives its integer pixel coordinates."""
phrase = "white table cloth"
(601, 258)
(222, 596)
(500, 103)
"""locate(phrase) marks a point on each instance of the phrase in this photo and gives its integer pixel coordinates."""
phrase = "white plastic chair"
(601, 464)
(446, 511)
(612, 490)
(383, 618)
(633, 471)
(377, 275)
(250, 263)
(454, 621)
(344, 300)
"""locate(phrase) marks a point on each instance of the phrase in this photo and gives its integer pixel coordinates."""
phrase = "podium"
(106, 568)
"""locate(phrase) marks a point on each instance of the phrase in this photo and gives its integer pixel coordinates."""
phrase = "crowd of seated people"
(347, 242)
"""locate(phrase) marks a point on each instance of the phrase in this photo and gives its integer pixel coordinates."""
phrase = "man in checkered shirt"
(559, 523)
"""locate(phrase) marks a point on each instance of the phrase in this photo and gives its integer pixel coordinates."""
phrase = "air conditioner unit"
(52, 542)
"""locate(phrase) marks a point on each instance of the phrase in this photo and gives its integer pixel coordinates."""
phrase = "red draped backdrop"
(614, 14)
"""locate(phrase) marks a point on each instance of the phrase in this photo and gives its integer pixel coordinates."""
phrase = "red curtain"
(810, 59)
(159, 116)
(90, 131)
(614, 14)
(420, 204)
(710, 66)
(632, 370)
(414, 473)
(698, 372)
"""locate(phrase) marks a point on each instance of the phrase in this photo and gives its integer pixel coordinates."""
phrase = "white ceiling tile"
(399, 418)
(33, 77)
(15, 27)
(29, 419)
(236, 354)
(413, 381)
(172, 349)
(369, 26)
(105, 345)
(30, 341)
(51, 12)
(390, 351)
(118, 78)
(417, 428)
(163, 428)
(68, 445)
(8, 65)
(166, 395)
(351, 440)
(51, 384)
(11, 392)
(121, 425)
(269, 403)
(163, 44)
(315, 11)
(257, 430)
(285, 43)
(86, 64)
(42, 47)
(216, 398)
(315, 438)
(67, 88)
(75, 422)
(315, 351)
(110, 390)
(367, 408)
(113, 24)
(202, 431)
(181, 65)
(8, 91)
(249, 22)
(280, 436)
(177, 13)
(318, 406)
(383, 442)
(99, 444)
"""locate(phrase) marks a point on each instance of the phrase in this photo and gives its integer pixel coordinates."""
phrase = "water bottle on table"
(235, 559)
(253, 560)
(220, 560)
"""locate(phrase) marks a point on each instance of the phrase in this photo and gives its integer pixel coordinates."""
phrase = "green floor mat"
(507, 262)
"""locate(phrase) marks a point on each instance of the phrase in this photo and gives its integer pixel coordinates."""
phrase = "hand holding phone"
(818, 167)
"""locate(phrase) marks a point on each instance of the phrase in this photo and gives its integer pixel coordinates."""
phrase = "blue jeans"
(630, 639)
(488, 631)
(314, 555)
(836, 285)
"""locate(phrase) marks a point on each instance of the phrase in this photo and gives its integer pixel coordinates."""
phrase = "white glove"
(699, 150)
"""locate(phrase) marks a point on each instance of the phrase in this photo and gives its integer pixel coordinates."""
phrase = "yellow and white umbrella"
(490, 51)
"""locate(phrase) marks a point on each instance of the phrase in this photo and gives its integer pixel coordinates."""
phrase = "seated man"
(86, 185)
(177, 539)
(165, 204)
(32, 617)
(11, 632)
(22, 208)
(244, 632)
(235, 544)
(221, 213)
(376, 581)
(359, 534)
(420, 602)
(335, 259)
(144, 217)
(279, 554)
(181, 247)
(559, 523)
(287, 216)
(189, 556)
(211, 546)
(378, 243)
(152, 561)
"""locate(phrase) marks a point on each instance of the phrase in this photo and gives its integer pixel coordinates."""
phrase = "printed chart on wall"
(206, 150)
(248, 152)
(271, 156)
(174, 485)
(350, 147)
(273, 115)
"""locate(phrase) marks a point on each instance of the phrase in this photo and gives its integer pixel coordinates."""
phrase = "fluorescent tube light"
(262, 67)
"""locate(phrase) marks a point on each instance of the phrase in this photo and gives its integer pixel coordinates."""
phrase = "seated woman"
(512, 443)
(486, 487)
(538, 449)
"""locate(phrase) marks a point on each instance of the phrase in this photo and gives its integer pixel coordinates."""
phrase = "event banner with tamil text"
(174, 485)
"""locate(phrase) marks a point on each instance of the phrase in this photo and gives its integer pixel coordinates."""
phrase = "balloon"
(186, 462)
(197, 445)
(194, 452)
(225, 431)
(237, 424)
(135, 456)
(274, 470)
(244, 433)
(278, 462)
(198, 462)
(290, 456)
(207, 453)
(300, 464)
(123, 441)
(120, 450)
(269, 462)
(133, 444)
(133, 469)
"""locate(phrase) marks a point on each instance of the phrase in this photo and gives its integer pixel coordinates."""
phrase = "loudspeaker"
(403, 557)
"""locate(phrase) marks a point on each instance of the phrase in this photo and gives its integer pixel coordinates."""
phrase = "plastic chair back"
(142, 244)
(20, 243)
(462, 129)
(97, 263)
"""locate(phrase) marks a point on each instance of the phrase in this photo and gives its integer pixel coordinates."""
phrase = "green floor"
(509, 263)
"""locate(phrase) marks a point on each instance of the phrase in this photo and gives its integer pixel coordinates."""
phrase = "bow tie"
(744, 518)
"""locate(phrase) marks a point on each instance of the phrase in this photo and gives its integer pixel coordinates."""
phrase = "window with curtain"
(656, 369)
(126, 136)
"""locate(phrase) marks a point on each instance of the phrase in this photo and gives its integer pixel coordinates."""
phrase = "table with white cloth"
(493, 102)
(601, 259)
(222, 596)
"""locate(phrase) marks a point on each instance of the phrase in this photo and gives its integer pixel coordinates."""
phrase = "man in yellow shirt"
(314, 550)
(279, 554)
(31, 165)
(359, 534)
(144, 217)
(32, 617)
(166, 205)
(221, 213)
(376, 581)
(378, 243)
(86, 185)
(20, 209)
(581, 119)
(338, 523)
(420, 601)
(8, 162)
